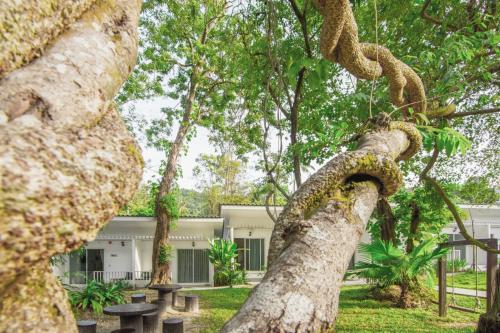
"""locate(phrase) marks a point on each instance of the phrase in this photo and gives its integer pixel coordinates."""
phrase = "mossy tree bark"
(317, 233)
(67, 161)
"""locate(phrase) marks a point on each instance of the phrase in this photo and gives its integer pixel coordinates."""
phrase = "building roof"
(180, 217)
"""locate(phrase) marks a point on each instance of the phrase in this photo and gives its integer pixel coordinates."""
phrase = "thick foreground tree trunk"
(67, 161)
(317, 233)
(31, 25)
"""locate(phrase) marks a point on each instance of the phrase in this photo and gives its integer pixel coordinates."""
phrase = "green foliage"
(165, 254)
(60, 259)
(169, 203)
(445, 138)
(390, 265)
(456, 265)
(359, 313)
(97, 295)
(433, 213)
(477, 191)
(223, 254)
(143, 203)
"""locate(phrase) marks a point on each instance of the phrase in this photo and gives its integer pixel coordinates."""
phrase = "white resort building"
(123, 248)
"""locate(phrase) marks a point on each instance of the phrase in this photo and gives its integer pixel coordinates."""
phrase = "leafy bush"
(222, 255)
(169, 203)
(457, 265)
(390, 265)
(97, 295)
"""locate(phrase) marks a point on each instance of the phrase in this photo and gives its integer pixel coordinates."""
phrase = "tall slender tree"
(183, 58)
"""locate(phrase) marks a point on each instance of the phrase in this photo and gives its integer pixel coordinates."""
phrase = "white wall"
(117, 254)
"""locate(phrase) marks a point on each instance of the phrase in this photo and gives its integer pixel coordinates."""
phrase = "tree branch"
(431, 19)
(472, 113)
(439, 190)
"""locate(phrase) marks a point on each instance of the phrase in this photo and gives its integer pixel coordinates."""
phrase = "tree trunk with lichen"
(67, 161)
(317, 233)
(164, 218)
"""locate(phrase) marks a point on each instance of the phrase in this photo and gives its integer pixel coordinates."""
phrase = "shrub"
(222, 255)
(97, 295)
(390, 265)
(457, 265)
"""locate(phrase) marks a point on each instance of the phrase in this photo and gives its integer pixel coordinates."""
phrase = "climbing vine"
(170, 203)
(165, 254)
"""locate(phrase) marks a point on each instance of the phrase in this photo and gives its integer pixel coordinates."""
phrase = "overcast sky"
(150, 110)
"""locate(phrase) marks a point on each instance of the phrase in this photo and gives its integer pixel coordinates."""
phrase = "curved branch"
(431, 19)
(268, 204)
(340, 44)
(473, 113)
(439, 190)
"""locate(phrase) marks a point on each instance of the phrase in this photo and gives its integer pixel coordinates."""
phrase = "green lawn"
(467, 280)
(358, 313)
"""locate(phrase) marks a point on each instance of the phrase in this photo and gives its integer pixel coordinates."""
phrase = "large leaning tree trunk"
(317, 233)
(161, 270)
(67, 161)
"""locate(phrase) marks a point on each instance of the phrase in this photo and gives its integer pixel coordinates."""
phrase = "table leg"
(163, 300)
(163, 295)
(132, 322)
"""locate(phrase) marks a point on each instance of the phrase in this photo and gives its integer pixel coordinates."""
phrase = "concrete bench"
(191, 303)
(173, 325)
(86, 326)
(138, 298)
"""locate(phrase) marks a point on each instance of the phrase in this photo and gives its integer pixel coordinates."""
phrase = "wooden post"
(491, 268)
(443, 307)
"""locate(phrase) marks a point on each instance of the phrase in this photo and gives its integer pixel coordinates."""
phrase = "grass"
(467, 280)
(358, 313)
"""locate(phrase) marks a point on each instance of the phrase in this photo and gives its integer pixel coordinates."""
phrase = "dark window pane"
(200, 266)
(185, 266)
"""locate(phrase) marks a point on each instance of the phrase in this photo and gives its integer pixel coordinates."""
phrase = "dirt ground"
(106, 324)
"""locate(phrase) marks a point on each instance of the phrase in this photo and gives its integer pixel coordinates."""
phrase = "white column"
(133, 262)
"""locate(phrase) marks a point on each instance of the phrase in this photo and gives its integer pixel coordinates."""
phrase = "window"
(83, 266)
(192, 266)
(251, 253)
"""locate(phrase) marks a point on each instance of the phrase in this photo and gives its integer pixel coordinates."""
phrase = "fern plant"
(390, 265)
(97, 295)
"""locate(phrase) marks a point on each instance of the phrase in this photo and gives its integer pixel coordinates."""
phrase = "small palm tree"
(222, 255)
(390, 265)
